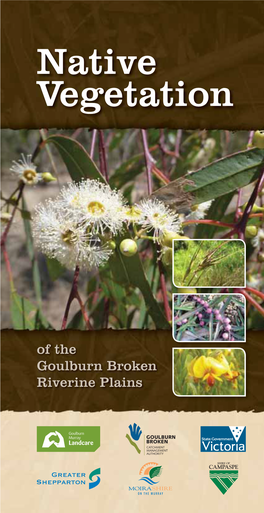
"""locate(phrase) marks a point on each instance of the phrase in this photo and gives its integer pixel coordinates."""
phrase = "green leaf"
(225, 175)
(78, 162)
(155, 471)
(215, 212)
(136, 277)
(25, 315)
(55, 269)
(127, 172)
(31, 253)
(77, 322)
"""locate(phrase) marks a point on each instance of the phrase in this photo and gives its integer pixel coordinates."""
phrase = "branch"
(74, 294)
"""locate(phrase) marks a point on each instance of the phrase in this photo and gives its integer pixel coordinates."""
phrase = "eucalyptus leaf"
(55, 269)
(78, 162)
(25, 315)
(225, 175)
(31, 253)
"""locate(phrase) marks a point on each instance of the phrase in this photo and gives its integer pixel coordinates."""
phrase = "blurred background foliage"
(42, 286)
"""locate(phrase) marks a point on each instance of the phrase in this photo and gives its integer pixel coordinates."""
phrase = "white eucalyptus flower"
(258, 239)
(93, 204)
(133, 214)
(158, 217)
(199, 211)
(66, 240)
(26, 170)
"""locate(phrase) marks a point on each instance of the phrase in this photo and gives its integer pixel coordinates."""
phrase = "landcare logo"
(223, 475)
(223, 439)
(153, 444)
(68, 439)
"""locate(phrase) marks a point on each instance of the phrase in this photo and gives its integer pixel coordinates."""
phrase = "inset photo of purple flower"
(209, 318)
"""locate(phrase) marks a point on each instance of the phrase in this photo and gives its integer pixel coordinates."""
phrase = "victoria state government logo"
(223, 438)
(223, 475)
(149, 476)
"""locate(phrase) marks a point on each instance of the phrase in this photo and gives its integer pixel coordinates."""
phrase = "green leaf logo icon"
(155, 472)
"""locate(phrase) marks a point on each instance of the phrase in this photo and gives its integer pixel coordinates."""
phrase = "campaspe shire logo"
(223, 438)
(68, 439)
(223, 475)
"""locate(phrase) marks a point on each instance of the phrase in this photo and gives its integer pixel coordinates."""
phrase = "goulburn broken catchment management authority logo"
(223, 475)
(223, 439)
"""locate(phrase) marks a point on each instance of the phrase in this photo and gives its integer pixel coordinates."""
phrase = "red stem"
(102, 156)
(4, 236)
(93, 143)
(74, 294)
(208, 221)
(255, 292)
(148, 160)
(251, 300)
(164, 292)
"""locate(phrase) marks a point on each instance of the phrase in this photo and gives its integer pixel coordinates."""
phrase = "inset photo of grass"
(209, 318)
(209, 263)
(209, 372)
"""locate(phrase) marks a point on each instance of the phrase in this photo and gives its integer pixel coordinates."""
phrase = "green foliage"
(225, 175)
(209, 263)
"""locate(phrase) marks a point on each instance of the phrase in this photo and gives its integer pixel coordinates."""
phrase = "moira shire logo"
(223, 438)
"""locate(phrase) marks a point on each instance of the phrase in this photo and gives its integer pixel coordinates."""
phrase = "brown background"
(19, 372)
(206, 44)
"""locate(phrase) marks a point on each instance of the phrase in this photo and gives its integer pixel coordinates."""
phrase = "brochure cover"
(132, 243)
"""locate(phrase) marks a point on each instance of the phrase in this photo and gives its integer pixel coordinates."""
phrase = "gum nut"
(216, 312)
(225, 336)
(218, 317)
(261, 257)
(201, 323)
(200, 315)
(232, 339)
(228, 327)
(209, 310)
(128, 247)
(48, 177)
(168, 238)
(186, 291)
(258, 139)
(167, 257)
(184, 321)
(202, 302)
(179, 323)
(226, 320)
(206, 304)
(110, 244)
(251, 231)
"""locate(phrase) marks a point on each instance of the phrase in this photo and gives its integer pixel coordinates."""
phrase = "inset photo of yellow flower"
(209, 372)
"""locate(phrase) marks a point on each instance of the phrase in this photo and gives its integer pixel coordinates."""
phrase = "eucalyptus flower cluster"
(81, 225)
